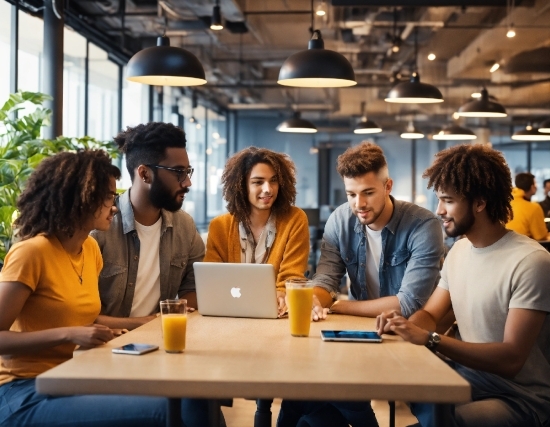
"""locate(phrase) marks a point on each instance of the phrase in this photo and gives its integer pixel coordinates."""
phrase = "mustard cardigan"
(289, 253)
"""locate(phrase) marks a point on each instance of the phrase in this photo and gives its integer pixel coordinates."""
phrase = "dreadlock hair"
(361, 159)
(63, 192)
(524, 181)
(475, 172)
(147, 144)
(235, 177)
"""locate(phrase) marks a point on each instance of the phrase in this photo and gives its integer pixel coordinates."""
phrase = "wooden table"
(258, 358)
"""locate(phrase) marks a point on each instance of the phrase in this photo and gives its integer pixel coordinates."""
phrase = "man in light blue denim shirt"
(391, 251)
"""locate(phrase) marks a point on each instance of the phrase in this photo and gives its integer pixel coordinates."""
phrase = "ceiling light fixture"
(321, 9)
(482, 107)
(545, 126)
(316, 66)
(216, 22)
(494, 67)
(366, 125)
(530, 133)
(511, 32)
(411, 132)
(476, 95)
(509, 9)
(296, 125)
(414, 92)
(455, 133)
(165, 65)
(431, 57)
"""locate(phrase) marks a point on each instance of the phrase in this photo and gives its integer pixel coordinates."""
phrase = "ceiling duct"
(531, 61)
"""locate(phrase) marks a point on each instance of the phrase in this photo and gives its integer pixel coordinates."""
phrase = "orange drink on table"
(174, 324)
(299, 295)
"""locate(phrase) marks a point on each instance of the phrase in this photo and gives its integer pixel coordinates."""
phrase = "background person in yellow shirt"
(528, 216)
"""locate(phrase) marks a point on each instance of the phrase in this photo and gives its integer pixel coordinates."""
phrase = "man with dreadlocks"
(497, 283)
(263, 225)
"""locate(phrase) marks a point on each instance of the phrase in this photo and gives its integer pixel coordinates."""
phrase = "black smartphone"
(351, 336)
(135, 349)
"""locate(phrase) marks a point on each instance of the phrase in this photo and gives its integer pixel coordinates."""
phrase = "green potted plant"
(22, 149)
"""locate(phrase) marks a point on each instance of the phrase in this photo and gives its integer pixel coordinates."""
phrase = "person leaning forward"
(391, 251)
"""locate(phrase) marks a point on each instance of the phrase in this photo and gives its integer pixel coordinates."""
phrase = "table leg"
(173, 414)
(262, 417)
(214, 413)
(442, 415)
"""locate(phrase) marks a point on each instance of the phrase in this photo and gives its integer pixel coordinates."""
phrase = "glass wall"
(31, 36)
(216, 154)
(74, 63)
(103, 95)
(5, 29)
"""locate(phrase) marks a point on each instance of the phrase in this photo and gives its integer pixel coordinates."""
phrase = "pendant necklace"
(74, 268)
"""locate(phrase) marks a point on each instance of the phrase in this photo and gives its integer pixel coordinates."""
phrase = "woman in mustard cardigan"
(262, 225)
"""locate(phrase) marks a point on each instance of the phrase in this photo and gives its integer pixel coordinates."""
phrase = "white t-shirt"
(484, 283)
(374, 252)
(147, 292)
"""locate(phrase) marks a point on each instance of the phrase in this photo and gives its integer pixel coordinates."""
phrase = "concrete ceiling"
(242, 61)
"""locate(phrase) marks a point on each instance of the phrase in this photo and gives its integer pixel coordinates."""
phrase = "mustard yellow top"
(57, 299)
(289, 253)
(528, 217)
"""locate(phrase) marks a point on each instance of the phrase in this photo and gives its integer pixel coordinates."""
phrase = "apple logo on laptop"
(236, 292)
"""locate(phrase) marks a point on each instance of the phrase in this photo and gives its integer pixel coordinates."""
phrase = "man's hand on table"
(318, 312)
(392, 321)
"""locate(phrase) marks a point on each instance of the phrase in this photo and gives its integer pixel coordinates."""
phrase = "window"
(5, 29)
(74, 59)
(31, 36)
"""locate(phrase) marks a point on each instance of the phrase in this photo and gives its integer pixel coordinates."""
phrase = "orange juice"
(300, 301)
(173, 330)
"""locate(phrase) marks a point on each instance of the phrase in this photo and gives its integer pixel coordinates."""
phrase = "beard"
(463, 226)
(161, 197)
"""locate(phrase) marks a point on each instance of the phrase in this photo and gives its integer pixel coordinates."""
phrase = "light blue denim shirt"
(180, 246)
(412, 249)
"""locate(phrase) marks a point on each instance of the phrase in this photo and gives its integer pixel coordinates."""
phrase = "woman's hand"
(282, 308)
(88, 336)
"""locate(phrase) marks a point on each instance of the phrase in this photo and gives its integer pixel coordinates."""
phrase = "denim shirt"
(180, 246)
(412, 249)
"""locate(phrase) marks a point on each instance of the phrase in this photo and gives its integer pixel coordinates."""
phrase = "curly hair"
(361, 159)
(147, 143)
(475, 172)
(235, 185)
(63, 192)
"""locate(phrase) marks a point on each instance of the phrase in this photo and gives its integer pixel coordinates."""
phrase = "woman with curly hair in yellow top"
(263, 225)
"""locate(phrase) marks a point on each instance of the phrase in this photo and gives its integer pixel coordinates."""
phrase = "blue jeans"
(299, 413)
(21, 405)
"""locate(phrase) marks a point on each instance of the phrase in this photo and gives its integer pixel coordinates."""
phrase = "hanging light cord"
(416, 49)
(312, 19)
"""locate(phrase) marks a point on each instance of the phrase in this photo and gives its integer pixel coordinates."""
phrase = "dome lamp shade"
(317, 67)
(366, 126)
(545, 126)
(165, 65)
(482, 107)
(296, 125)
(455, 133)
(411, 132)
(530, 133)
(414, 92)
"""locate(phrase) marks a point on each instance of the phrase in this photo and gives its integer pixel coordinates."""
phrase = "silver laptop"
(236, 290)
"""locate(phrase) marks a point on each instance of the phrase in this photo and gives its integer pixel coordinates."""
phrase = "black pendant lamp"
(296, 125)
(482, 107)
(317, 67)
(216, 23)
(530, 133)
(165, 65)
(366, 125)
(413, 91)
(545, 126)
(455, 133)
(411, 132)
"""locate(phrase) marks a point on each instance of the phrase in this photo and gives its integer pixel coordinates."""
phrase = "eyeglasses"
(181, 174)
(110, 200)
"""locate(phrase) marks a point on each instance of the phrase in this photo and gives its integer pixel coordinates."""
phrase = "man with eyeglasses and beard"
(150, 248)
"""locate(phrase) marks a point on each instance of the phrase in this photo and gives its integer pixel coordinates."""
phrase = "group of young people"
(90, 263)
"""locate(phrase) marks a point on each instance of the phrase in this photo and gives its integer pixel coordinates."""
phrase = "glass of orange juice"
(174, 324)
(299, 294)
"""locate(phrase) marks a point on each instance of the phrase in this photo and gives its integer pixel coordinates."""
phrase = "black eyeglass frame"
(181, 174)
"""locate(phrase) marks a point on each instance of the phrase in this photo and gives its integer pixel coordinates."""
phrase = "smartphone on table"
(135, 349)
(350, 336)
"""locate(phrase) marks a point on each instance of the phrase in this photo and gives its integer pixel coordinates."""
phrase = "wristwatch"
(433, 340)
